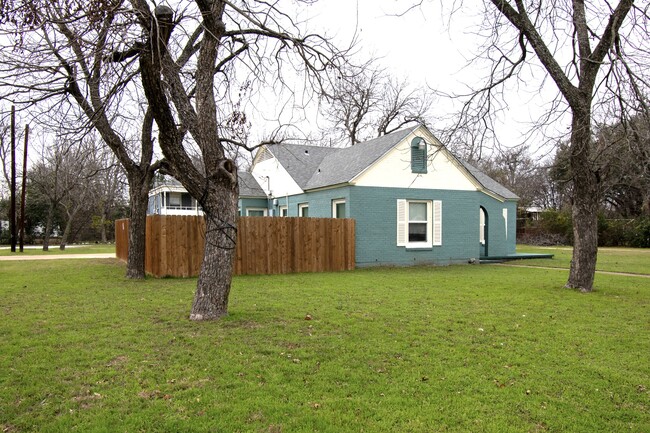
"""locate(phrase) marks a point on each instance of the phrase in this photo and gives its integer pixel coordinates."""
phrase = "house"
(414, 202)
(169, 197)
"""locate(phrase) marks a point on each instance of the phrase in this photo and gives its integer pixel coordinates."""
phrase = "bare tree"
(57, 59)
(623, 166)
(370, 103)
(108, 193)
(190, 69)
(5, 155)
(63, 176)
(515, 169)
(349, 105)
(596, 57)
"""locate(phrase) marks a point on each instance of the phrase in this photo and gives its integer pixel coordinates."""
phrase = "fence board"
(265, 245)
(122, 239)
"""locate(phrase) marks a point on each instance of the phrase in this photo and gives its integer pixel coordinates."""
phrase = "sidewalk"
(622, 274)
(24, 257)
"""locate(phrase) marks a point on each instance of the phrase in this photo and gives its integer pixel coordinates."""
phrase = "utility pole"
(23, 192)
(12, 202)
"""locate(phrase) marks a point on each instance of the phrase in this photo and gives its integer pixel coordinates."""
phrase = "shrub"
(641, 234)
(556, 227)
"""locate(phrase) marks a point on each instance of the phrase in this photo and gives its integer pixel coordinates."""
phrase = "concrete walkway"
(25, 257)
(622, 274)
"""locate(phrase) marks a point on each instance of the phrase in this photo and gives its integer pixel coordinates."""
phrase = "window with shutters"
(418, 155)
(419, 223)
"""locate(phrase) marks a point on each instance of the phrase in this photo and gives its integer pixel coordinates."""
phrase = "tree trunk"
(138, 198)
(102, 229)
(213, 287)
(585, 205)
(66, 233)
(48, 227)
(68, 226)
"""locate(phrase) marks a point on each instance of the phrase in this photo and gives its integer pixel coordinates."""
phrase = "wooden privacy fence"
(122, 239)
(265, 245)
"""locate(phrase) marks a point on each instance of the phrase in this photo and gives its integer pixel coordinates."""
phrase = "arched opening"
(483, 231)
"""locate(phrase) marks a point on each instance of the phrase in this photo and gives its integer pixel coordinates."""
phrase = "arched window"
(418, 155)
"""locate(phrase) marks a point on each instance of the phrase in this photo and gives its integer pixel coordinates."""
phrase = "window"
(303, 209)
(173, 200)
(338, 208)
(418, 155)
(255, 212)
(187, 202)
(284, 211)
(419, 223)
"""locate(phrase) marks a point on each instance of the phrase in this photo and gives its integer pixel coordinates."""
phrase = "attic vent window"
(418, 155)
(264, 155)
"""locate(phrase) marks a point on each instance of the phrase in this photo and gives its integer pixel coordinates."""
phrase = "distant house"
(169, 197)
(413, 200)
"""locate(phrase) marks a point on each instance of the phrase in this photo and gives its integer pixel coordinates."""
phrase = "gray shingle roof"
(489, 183)
(345, 164)
(301, 161)
(248, 186)
(316, 167)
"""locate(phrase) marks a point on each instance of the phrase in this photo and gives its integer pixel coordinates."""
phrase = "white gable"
(393, 170)
(272, 176)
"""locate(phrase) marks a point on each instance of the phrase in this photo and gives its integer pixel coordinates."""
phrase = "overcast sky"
(416, 44)
(422, 45)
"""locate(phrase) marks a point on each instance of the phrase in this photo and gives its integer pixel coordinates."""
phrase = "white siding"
(393, 170)
(281, 183)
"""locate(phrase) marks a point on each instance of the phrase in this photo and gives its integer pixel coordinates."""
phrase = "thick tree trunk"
(213, 287)
(138, 197)
(585, 205)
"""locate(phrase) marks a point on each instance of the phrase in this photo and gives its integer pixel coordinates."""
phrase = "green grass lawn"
(632, 260)
(32, 250)
(449, 349)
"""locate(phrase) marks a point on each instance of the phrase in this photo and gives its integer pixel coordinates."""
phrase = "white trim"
(334, 204)
(433, 222)
(256, 209)
(284, 208)
(481, 219)
(301, 209)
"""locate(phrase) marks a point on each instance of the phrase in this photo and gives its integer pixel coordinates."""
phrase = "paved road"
(19, 256)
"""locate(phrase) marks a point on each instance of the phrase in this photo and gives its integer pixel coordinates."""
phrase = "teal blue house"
(414, 202)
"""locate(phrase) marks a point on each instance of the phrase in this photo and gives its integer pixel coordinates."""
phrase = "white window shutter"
(437, 222)
(429, 222)
(402, 223)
